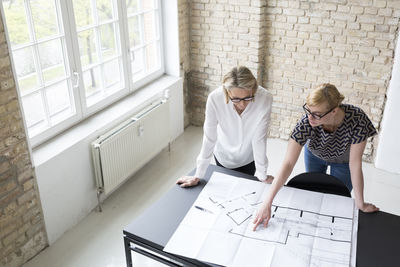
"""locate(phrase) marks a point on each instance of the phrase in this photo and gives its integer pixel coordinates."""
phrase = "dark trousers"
(247, 169)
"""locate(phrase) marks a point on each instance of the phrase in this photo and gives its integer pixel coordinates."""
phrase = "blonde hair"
(325, 92)
(239, 77)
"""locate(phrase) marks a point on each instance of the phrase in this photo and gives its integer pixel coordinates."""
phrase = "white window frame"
(134, 85)
(67, 22)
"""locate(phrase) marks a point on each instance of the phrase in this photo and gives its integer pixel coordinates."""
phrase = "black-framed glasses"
(314, 115)
(237, 100)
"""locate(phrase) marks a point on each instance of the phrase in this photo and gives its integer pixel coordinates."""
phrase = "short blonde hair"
(239, 77)
(325, 92)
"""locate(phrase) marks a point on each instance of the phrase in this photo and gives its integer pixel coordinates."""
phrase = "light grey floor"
(97, 240)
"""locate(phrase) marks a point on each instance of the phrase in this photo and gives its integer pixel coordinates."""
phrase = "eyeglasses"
(237, 100)
(316, 116)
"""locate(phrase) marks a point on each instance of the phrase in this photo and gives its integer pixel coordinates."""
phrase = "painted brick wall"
(222, 34)
(292, 46)
(346, 43)
(22, 232)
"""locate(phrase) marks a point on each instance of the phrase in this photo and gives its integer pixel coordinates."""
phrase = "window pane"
(25, 68)
(52, 60)
(59, 101)
(134, 32)
(151, 56)
(99, 44)
(45, 23)
(108, 47)
(137, 62)
(33, 110)
(132, 6)
(149, 27)
(111, 72)
(39, 62)
(144, 43)
(14, 11)
(83, 13)
(104, 10)
(87, 48)
(91, 79)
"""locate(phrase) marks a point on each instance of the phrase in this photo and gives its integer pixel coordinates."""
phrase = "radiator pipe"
(99, 191)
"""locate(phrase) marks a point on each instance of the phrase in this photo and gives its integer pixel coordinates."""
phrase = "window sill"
(100, 122)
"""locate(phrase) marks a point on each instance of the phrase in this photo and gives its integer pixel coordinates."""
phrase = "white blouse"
(236, 140)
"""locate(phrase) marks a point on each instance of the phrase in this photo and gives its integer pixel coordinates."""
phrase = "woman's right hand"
(188, 181)
(368, 208)
(262, 216)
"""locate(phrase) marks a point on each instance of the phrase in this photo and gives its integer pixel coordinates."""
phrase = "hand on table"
(188, 181)
(262, 216)
(368, 208)
(269, 179)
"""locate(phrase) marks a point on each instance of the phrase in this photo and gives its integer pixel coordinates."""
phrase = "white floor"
(97, 240)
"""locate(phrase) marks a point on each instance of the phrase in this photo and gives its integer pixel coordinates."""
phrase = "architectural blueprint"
(306, 228)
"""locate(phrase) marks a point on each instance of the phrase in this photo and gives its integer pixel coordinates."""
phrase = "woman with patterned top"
(235, 128)
(333, 134)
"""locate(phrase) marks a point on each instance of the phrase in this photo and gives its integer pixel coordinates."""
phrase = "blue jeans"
(341, 171)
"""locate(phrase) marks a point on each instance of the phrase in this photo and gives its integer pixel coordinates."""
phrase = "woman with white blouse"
(235, 128)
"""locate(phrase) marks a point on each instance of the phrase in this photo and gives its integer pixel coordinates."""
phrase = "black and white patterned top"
(335, 147)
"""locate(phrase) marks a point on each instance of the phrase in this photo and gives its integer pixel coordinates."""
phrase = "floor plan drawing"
(305, 229)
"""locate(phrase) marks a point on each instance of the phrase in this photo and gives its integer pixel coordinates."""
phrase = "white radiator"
(120, 152)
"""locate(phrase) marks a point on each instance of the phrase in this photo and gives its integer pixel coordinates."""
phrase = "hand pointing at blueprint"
(262, 216)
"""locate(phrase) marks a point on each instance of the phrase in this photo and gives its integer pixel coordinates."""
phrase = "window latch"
(132, 54)
(76, 75)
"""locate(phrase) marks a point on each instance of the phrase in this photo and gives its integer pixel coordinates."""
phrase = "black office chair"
(319, 182)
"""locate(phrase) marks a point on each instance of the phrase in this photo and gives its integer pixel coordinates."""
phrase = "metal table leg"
(128, 254)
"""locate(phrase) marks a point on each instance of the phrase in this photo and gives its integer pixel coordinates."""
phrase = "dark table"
(378, 241)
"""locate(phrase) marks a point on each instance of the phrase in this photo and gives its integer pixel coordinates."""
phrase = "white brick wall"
(292, 46)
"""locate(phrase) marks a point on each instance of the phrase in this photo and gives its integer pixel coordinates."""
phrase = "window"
(144, 38)
(73, 58)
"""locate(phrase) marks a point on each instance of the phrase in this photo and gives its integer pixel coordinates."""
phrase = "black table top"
(378, 240)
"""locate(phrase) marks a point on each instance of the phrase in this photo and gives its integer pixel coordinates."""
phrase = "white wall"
(171, 57)
(388, 152)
